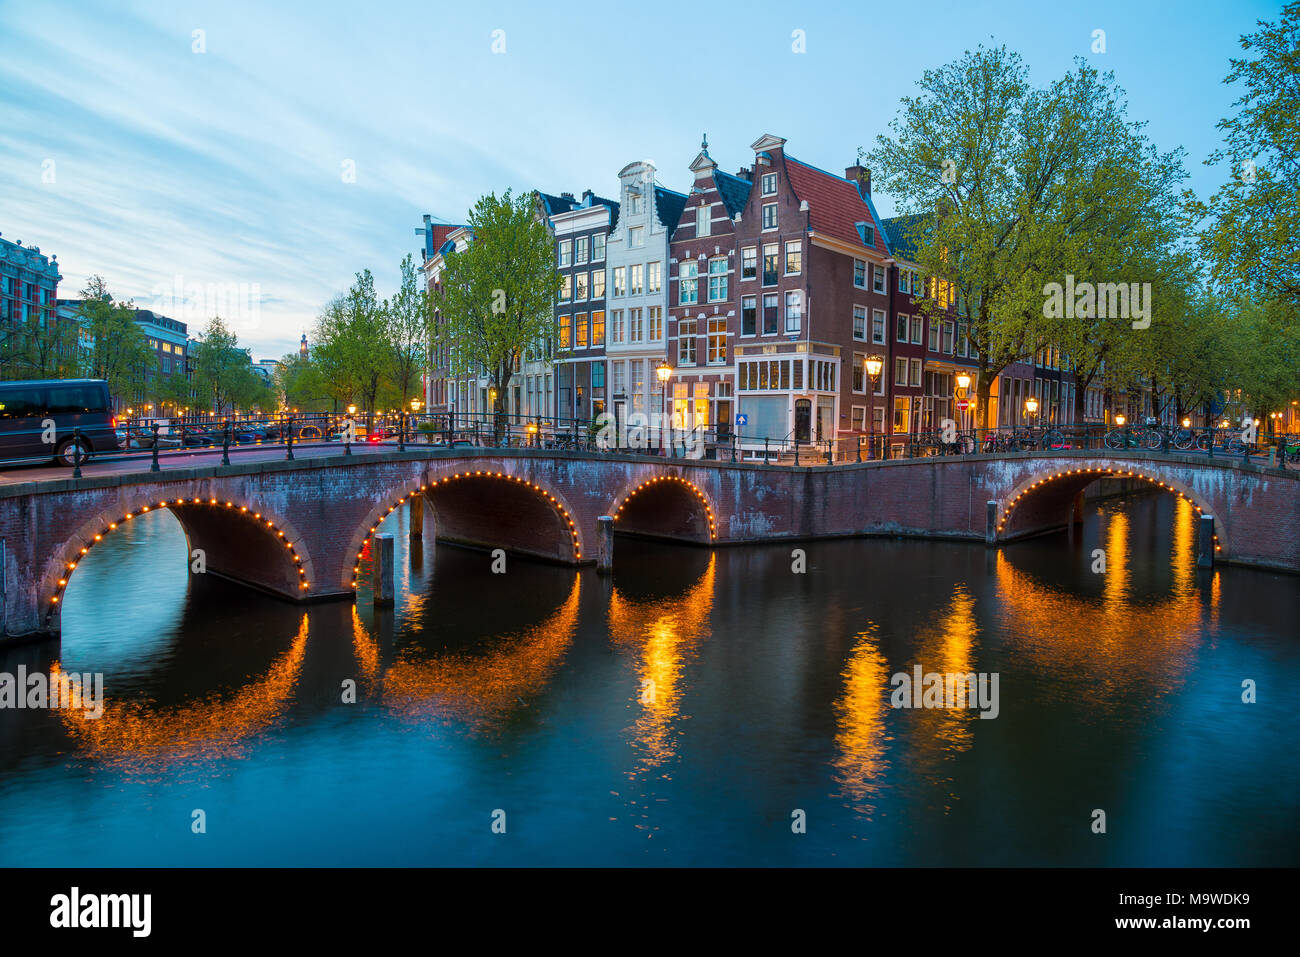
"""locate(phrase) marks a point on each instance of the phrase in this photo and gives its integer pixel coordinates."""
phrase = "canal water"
(700, 708)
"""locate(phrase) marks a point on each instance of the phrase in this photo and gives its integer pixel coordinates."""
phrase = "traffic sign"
(742, 419)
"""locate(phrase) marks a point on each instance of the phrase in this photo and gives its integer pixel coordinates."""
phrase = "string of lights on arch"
(708, 509)
(415, 492)
(1117, 473)
(70, 565)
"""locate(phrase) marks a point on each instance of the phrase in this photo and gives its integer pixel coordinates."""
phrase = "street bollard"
(381, 557)
(830, 451)
(289, 444)
(401, 433)
(153, 466)
(76, 453)
(1205, 543)
(859, 448)
(605, 544)
(796, 450)
(225, 445)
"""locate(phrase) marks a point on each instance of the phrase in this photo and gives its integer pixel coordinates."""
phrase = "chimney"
(861, 176)
(743, 172)
(588, 197)
(568, 196)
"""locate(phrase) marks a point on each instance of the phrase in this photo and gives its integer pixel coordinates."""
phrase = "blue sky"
(226, 167)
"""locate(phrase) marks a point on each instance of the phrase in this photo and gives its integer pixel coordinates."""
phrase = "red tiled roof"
(834, 204)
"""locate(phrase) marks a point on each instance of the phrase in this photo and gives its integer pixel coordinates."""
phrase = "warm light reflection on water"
(861, 714)
(480, 689)
(139, 737)
(663, 633)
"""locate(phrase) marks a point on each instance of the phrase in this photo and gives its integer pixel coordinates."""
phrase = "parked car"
(38, 419)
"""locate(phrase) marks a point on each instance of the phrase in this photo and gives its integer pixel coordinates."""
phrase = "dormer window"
(769, 184)
(633, 200)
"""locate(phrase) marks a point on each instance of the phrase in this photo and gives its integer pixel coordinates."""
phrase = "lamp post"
(963, 383)
(874, 364)
(665, 372)
(349, 432)
(1031, 408)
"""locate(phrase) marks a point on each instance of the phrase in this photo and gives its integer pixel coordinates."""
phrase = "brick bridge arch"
(495, 507)
(665, 506)
(239, 539)
(1048, 498)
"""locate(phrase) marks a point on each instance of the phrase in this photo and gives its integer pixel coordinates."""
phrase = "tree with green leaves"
(408, 325)
(222, 371)
(1252, 236)
(499, 293)
(1013, 187)
(119, 349)
(350, 344)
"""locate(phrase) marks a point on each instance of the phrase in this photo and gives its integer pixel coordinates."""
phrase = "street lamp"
(874, 364)
(1119, 420)
(1031, 407)
(665, 372)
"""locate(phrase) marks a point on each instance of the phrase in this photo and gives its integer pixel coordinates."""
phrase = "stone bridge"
(299, 528)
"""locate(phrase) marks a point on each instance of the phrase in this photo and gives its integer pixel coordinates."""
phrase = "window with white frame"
(580, 286)
(769, 216)
(686, 342)
(859, 372)
(656, 330)
(918, 329)
(635, 237)
(635, 326)
(793, 310)
(900, 328)
(860, 273)
(580, 250)
(916, 372)
(878, 325)
(703, 220)
(717, 343)
(860, 323)
(566, 253)
(617, 333)
(598, 284)
(768, 182)
(688, 282)
(718, 279)
(566, 287)
(636, 283)
(748, 316)
(654, 280)
(749, 262)
(620, 281)
(933, 344)
(900, 371)
(877, 278)
(793, 257)
(771, 252)
(597, 247)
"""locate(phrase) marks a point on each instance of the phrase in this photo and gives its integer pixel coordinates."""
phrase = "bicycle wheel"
(1183, 439)
(1204, 441)
(1053, 439)
(1234, 445)
(1115, 439)
(1152, 439)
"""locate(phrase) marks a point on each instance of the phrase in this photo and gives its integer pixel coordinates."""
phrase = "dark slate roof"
(733, 190)
(668, 207)
(556, 204)
(898, 231)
